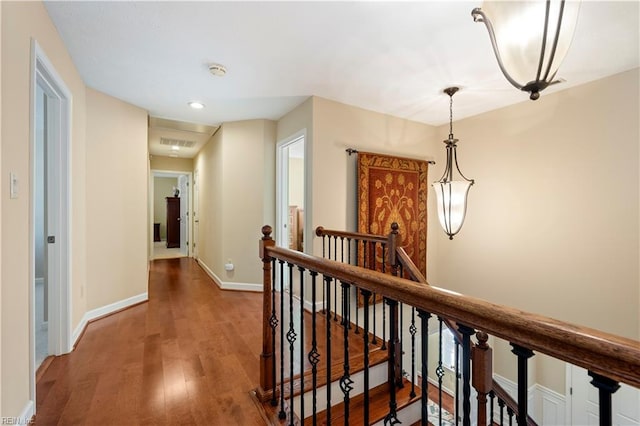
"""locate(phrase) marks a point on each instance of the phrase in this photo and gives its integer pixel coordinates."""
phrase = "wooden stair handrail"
(321, 232)
(502, 394)
(609, 355)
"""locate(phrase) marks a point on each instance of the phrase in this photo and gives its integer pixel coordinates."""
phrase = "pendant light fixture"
(530, 39)
(451, 190)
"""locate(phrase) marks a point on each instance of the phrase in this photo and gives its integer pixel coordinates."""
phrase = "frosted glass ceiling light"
(530, 39)
(452, 194)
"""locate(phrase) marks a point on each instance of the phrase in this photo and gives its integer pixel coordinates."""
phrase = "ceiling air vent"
(177, 142)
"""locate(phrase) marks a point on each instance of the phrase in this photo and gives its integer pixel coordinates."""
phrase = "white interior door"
(585, 405)
(49, 195)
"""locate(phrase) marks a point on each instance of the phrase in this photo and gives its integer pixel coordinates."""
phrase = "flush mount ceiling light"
(451, 190)
(196, 105)
(175, 148)
(530, 39)
(217, 70)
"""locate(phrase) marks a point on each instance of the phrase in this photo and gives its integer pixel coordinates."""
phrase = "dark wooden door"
(173, 222)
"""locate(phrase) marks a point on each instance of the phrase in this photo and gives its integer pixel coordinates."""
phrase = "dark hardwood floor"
(189, 356)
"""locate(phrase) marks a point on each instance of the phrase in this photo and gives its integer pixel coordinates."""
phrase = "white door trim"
(172, 173)
(282, 186)
(59, 209)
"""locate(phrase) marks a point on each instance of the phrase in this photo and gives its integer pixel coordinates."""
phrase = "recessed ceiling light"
(196, 105)
(175, 148)
(217, 70)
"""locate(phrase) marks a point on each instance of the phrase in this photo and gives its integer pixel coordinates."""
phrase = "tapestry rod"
(355, 151)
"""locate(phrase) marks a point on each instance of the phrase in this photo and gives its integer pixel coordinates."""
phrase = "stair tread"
(378, 405)
(356, 363)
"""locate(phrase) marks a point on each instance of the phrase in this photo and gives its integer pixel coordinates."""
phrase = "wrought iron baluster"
(314, 356)
(366, 295)
(523, 355)
(350, 261)
(335, 247)
(342, 249)
(328, 344)
(335, 300)
(440, 370)
(301, 269)
(467, 332)
(374, 338)
(424, 348)
(457, 374)
(492, 397)
(401, 349)
(291, 338)
(273, 322)
(606, 388)
(501, 406)
(384, 258)
(392, 417)
(412, 331)
(384, 326)
(282, 414)
(510, 414)
(346, 384)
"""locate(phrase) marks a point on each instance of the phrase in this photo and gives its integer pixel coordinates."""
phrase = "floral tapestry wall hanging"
(394, 189)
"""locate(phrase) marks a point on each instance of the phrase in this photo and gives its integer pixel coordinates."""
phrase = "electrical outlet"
(13, 186)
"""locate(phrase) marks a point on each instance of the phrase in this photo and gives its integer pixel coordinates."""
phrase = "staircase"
(366, 346)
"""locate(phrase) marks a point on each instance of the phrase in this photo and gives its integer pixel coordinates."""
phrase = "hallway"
(187, 356)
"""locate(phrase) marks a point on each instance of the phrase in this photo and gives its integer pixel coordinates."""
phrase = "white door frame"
(172, 173)
(195, 213)
(282, 186)
(58, 178)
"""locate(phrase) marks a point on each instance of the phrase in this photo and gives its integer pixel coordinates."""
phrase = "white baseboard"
(546, 406)
(25, 416)
(105, 310)
(228, 285)
(308, 306)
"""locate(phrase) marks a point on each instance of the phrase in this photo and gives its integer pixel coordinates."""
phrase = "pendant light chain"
(450, 116)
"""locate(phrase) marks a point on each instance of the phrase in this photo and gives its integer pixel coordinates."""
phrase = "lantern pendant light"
(530, 39)
(452, 191)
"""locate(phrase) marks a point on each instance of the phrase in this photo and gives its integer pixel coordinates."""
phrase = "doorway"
(50, 330)
(171, 195)
(292, 194)
(584, 405)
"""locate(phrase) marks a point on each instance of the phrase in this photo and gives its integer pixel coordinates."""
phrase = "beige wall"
(162, 187)
(552, 223)
(208, 175)
(235, 174)
(116, 200)
(337, 127)
(22, 21)
(171, 164)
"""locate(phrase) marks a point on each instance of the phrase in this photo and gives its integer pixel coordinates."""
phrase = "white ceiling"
(391, 57)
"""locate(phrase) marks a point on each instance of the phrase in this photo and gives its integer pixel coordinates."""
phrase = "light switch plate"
(13, 185)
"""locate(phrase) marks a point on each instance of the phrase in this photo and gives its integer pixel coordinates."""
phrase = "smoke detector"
(217, 70)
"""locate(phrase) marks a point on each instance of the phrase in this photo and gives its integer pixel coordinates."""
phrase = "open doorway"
(291, 193)
(50, 330)
(172, 231)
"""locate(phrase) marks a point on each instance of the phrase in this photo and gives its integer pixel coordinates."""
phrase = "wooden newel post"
(267, 385)
(392, 247)
(482, 378)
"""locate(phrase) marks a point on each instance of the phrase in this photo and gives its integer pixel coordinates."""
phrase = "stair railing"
(610, 359)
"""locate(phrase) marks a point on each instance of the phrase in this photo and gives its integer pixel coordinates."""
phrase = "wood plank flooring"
(187, 357)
